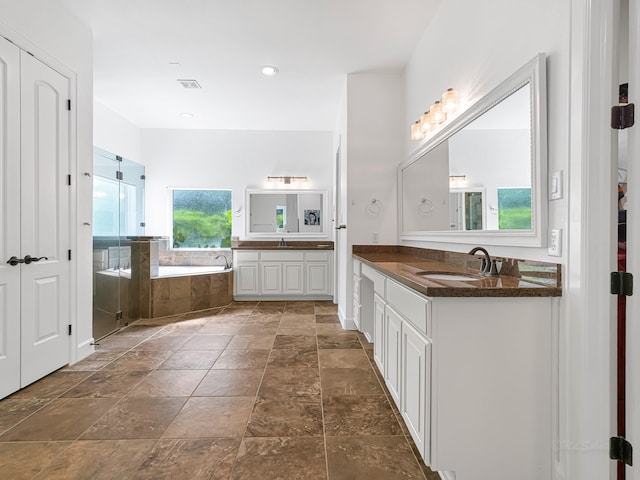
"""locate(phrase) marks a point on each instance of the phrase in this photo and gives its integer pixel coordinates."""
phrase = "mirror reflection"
(479, 178)
(286, 212)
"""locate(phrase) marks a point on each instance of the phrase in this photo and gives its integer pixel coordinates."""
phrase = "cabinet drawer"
(415, 308)
(289, 256)
(317, 256)
(247, 256)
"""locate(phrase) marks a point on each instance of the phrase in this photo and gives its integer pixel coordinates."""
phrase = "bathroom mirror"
(482, 177)
(286, 213)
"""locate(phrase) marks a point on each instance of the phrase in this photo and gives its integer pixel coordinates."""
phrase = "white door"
(34, 219)
(9, 217)
(44, 219)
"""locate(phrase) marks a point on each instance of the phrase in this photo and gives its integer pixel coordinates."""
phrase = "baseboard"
(84, 349)
(347, 323)
(447, 475)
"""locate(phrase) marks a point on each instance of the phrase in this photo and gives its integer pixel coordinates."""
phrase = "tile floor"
(270, 390)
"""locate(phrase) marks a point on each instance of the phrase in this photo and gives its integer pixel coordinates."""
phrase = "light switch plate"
(555, 243)
(555, 189)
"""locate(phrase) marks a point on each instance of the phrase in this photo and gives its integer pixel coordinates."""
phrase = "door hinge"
(69, 105)
(621, 283)
(118, 158)
(620, 449)
(143, 177)
(142, 224)
(69, 254)
(69, 329)
(622, 116)
(69, 180)
(119, 315)
(119, 175)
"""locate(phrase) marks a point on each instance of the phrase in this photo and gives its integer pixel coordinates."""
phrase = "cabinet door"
(393, 344)
(378, 332)
(318, 278)
(292, 278)
(416, 387)
(271, 278)
(246, 279)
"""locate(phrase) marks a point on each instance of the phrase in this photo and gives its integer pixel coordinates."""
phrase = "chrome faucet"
(488, 266)
(226, 261)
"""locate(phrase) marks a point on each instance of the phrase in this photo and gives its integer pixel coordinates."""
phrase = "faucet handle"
(492, 271)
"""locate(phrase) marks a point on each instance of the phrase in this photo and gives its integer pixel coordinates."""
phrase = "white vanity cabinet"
(356, 293)
(282, 274)
(471, 377)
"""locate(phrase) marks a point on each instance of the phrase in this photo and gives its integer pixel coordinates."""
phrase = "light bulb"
(450, 100)
(416, 131)
(436, 112)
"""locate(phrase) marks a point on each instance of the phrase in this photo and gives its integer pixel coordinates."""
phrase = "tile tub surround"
(518, 278)
(273, 245)
(167, 256)
(252, 390)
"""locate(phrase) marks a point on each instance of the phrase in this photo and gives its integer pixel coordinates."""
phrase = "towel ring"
(425, 206)
(374, 207)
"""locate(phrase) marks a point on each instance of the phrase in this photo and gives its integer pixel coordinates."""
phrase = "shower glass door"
(118, 214)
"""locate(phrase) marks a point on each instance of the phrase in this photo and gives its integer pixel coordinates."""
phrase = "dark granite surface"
(290, 245)
(518, 278)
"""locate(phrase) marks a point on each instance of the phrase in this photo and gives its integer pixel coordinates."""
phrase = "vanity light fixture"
(417, 133)
(450, 100)
(457, 180)
(436, 115)
(269, 70)
(287, 180)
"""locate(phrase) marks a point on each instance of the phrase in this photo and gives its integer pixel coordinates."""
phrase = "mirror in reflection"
(285, 212)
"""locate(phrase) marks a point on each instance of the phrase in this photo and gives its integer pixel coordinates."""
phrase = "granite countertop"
(273, 245)
(521, 278)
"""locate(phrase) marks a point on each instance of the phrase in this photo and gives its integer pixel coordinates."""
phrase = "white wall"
(115, 134)
(238, 160)
(57, 38)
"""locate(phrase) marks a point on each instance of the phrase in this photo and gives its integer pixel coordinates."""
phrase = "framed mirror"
(287, 213)
(482, 178)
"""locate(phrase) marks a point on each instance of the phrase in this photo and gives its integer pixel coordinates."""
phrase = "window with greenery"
(514, 208)
(201, 218)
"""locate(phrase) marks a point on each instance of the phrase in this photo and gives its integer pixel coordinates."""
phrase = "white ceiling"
(223, 43)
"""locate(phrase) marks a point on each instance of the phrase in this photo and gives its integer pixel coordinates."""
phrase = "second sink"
(451, 276)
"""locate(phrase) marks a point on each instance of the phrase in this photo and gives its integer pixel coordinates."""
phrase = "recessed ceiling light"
(186, 115)
(269, 70)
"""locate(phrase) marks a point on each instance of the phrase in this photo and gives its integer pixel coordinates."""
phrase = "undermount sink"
(451, 276)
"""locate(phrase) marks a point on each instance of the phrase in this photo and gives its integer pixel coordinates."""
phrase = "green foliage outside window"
(201, 218)
(514, 208)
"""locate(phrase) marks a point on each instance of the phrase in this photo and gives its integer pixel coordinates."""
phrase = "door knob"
(13, 261)
(29, 259)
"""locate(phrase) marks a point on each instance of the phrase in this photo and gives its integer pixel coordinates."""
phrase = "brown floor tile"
(327, 319)
(333, 329)
(288, 341)
(207, 342)
(136, 418)
(324, 309)
(23, 460)
(107, 384)
(98, 460)
(222, 329)
(95, 361)
(116, 342)
(14, 410)
(343, 358)
(282, 382)
(242, 359)
(297, 458)
(358, 415)
(163, 342)
(291, 357)
(197, 459)
(307, 330)
(299, 416)
(263, 330)
(300, 308)
(211, 417)
(186, 325)
(229, 383)
(342, 340)
(168, 383)
(264, 320)
(62, 419)
(191, 360)
(373, 458)
(297, 319)
(349, 381)
(251, 342)
(143, 331)
(53, 385)
(139, 360)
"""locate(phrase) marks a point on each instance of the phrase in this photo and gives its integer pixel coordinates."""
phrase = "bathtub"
(175, 270)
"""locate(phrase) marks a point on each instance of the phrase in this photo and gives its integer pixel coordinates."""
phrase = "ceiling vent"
(189, 83)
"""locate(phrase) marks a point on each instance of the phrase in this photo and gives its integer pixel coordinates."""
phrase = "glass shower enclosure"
(118, 215)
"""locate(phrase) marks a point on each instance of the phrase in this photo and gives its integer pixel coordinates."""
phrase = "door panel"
(9, 217)
(45, 219)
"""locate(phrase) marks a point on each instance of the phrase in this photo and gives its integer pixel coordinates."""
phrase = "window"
(514, 208)
(201, 218)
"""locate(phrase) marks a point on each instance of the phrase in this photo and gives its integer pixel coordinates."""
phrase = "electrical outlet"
(375, 238)
(555, 243)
